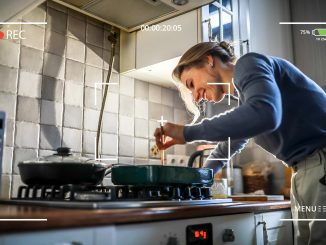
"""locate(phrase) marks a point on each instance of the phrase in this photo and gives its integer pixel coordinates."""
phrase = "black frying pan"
(63, 173)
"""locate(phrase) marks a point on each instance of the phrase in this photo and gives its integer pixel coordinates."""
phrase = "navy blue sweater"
(280, 107)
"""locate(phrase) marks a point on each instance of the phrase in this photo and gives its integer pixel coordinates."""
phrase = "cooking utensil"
(162, 139)
(62, 168)
(153, 175)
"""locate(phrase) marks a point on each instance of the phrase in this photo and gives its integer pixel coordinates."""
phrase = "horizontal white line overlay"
(229, 153)
(303, 219)
(23, 23)
(302, 23)
(24, 220)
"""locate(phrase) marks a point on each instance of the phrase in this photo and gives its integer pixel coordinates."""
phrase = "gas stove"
(106, 197)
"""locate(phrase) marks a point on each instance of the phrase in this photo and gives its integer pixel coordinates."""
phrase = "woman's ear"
(210, 61)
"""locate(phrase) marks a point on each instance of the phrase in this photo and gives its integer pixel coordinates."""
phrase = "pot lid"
(63, 155)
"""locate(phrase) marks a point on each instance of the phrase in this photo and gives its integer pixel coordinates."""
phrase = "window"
(217, 21)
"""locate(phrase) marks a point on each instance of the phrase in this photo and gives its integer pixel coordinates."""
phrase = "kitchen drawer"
(60, 237)
(270, 229)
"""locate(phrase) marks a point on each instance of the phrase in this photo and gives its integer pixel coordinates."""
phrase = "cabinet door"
(66, 237)
(271, 230)
(220, 22)
(166, 40)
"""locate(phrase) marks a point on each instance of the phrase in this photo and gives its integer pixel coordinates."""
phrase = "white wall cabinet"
(151, 54)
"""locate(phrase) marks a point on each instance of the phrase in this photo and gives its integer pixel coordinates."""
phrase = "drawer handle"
(265, 235)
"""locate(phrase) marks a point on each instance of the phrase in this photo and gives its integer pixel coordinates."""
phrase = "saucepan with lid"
(63, 168)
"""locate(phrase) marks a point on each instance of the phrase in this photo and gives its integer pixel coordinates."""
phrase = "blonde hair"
(196, 56)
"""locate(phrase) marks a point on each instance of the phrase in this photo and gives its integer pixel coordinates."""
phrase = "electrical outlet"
(177, 160)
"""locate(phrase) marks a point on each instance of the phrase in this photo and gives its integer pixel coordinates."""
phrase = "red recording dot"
(1, 35)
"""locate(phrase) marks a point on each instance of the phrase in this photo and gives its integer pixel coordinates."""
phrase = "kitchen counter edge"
(76, 218)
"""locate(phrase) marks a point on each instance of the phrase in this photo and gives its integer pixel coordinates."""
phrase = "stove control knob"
(187, 193)
(176, 193)
(196, 192)
(228, 235)
(172, 241)
(206, 192)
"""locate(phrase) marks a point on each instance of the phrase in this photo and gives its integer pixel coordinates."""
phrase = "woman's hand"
(171, 130)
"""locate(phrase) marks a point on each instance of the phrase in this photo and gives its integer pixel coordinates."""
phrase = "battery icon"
(319, 32)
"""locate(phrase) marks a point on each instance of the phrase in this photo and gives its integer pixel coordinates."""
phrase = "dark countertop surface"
(59, 218)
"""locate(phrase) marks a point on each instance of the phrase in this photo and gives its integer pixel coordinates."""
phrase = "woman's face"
(198, 80)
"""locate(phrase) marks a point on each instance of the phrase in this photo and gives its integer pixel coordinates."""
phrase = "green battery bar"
(319, 32)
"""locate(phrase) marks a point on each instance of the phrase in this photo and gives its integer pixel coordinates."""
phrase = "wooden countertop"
(70, 218)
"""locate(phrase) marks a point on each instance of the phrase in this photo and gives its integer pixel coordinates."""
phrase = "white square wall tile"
(31, 60)
(54, 66)
(75, 50)
(9, 55)
(126, 125)
(93, 76)
(91, 119)
(110, 123)
(30, 84)
(126, 106)
(141, 148)
(16, 182)
(112, 103)
(94, 35)
(50, 137)
(34, 36)
(10, 129)
(8, 104)
(127, 85)
(72, 138)
(110, 144)
(5, 186)
(76, 28)
(180, 116)
(55, 43)
(89, 142)
(7, 160)
(167, 96)
(141, 128)
(141, 108)
(22, 154)
(126, 146)
(154, 94)
(75, 71)
(27, 134)
(38, 14)
(152, 125)
(73, 94)
(94, 56)
(72, 117)
(51, 113)
(93, 98)
(8, 79)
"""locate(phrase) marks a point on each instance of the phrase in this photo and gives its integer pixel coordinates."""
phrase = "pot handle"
(194, 156)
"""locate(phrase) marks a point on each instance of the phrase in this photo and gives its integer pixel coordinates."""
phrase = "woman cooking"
(280, 107)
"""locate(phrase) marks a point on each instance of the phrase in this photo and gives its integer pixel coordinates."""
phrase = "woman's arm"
(260, 112)
(222, 152)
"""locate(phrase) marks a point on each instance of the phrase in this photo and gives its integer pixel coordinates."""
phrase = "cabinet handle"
(265, 235)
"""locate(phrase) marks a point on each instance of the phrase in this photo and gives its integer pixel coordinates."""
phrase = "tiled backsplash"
(48, 92)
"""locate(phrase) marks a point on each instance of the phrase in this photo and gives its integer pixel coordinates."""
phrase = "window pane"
(227, 4)
(214, 15)
(227, 26)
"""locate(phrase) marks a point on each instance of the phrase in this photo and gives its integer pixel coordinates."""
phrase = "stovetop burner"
(112, 193)
(95, 197)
